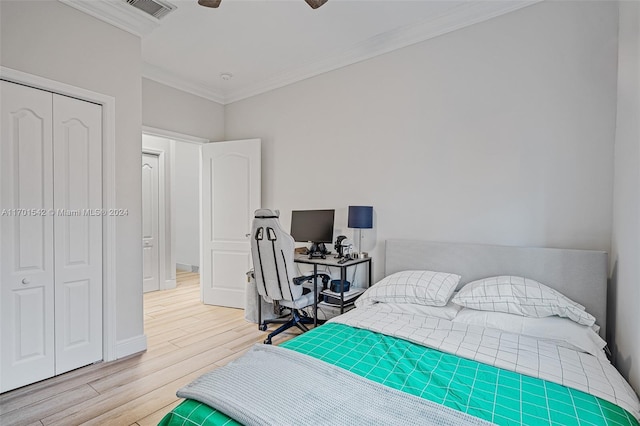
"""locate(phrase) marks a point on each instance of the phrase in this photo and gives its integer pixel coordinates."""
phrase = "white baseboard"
(169, 284)
(131, 346)
(186, 267)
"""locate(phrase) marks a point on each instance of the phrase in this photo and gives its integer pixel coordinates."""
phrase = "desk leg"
(370, 275)
(315, 295)
(259, 312)
(343, 277)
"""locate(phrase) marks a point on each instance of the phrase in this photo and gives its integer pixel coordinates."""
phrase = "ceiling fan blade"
(210, 3)
(315, 3)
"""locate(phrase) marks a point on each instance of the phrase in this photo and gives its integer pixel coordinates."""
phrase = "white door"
(150, 222)
(50, 235)
(77, 194)
(26, 237)
(230, 194)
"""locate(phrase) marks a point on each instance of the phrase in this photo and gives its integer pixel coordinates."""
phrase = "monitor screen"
(314, 226)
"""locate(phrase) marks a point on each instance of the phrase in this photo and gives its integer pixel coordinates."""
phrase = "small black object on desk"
(318, 250)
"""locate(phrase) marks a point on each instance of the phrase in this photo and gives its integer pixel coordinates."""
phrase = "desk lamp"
(360, 217)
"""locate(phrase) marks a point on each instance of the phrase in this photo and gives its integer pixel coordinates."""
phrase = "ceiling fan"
(215, 3)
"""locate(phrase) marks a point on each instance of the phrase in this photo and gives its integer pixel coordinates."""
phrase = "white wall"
(49, 39)
(501, 133)
(625, 284)
(187, 203)
(166, 108)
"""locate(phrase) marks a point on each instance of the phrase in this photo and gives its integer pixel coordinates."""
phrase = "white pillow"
(520, 296)
(448, 312)
(419, 287)
(580, 337)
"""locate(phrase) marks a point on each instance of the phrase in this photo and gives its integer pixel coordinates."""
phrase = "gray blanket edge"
(272, 385)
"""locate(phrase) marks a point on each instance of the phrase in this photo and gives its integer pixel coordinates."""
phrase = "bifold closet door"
(50, 235)
(77, 168)
(26, 237)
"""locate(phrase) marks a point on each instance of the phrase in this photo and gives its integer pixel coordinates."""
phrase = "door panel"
(26, 237)
(77, 317)
(78, 232)
(150, 222)
(230, 193)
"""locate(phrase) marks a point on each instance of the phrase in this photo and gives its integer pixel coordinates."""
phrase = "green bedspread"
(493, 394)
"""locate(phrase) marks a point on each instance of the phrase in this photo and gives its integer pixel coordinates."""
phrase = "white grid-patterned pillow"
(520, 296)
(420, 287)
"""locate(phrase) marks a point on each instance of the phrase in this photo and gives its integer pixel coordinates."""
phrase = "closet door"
(26, 237)
(77, 166)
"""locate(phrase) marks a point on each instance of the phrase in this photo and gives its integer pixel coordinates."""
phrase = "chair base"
(298, 319)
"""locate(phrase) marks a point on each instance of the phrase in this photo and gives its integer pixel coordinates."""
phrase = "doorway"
(178, 229)
(211, 191)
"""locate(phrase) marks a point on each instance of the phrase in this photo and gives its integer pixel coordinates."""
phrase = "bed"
(489, 362)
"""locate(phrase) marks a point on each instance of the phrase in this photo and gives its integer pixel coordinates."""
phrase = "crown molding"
(155, 73)
(117, 13)
(459, 17)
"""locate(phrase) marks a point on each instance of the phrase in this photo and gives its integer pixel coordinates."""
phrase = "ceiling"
(271, 43)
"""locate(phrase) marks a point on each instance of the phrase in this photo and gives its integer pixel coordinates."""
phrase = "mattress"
(498, 395)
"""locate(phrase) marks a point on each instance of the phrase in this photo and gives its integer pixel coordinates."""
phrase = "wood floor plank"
(115, 397)
(35, 412)
(146, 403)
(23, 397)
(185, 338)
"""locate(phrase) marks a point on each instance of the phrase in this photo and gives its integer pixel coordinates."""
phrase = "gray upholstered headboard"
(579, 274)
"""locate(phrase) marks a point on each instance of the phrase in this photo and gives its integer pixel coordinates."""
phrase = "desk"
(331, 261)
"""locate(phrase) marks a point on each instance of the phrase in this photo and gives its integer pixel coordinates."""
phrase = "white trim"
(154, 131)
(187, 267)
(117, 13)
(160, 75)
(458, 17)
(108, 104)
(131, 345)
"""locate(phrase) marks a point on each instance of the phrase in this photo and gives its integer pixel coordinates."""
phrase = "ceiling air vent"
(155, 8)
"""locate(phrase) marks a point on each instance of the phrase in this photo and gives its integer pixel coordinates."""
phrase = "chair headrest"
(267, 214)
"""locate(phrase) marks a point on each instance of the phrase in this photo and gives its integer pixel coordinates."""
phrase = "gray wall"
(166, 108)
(187, 203)
(501, 133)
(625, 251)
(49, 39)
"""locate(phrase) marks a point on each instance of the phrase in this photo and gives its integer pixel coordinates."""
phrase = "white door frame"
(108, 104)
(167, 207)
(163, 194)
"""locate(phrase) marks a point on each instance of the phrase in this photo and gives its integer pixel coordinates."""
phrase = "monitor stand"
(318, 250)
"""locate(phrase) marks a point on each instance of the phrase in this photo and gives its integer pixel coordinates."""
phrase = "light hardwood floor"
(185, 340)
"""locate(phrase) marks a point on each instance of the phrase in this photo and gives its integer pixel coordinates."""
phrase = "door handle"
(25, 281)
(247, 235)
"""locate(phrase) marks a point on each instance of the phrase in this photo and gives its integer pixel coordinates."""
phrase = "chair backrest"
(272, 250)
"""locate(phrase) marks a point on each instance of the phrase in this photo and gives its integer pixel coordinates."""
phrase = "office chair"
(272, 250)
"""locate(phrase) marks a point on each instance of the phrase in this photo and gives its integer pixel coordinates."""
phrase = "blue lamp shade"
(360, 217)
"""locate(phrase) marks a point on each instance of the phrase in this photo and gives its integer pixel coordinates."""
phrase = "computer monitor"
(314, 226)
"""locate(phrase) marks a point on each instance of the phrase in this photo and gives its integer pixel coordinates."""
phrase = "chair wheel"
(267, 342)
(262, 327)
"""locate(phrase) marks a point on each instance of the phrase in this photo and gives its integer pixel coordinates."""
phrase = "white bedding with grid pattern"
(545, 359)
